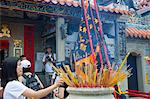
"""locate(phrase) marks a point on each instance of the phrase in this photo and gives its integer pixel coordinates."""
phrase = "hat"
(25, 64)
(48, 46)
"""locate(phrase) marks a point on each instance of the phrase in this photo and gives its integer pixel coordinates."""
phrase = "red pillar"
(29, 44)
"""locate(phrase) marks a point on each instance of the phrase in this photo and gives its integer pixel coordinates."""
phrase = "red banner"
(4, 44)
(29, 44)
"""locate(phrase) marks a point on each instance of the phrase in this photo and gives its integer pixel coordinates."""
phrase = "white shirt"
(14, 90)
(48, 67)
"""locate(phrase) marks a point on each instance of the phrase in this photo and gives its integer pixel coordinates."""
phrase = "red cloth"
(4, 44)
(148, 62)
(29, 44)
(137, 93)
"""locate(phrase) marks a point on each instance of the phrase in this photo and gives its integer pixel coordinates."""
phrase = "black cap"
(48, 46)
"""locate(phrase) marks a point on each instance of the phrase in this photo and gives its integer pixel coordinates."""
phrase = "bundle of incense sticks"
(88, 76)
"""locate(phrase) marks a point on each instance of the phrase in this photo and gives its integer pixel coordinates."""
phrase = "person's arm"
(20, 78)
(39, 81)
(41, 93)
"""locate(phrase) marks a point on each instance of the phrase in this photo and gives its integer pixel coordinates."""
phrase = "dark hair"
(9, 72)
(21, 57)
(47, 48)
(26, 69)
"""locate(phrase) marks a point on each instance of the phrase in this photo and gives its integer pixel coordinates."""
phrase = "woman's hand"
(60, 82)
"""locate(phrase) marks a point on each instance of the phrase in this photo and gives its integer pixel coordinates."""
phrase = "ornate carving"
(122, 40)
(5, 32)
(107, 16)
(43, 8)
(139, 4)
(146, 20)
(134, 19)
(17, 43)
(63, 29)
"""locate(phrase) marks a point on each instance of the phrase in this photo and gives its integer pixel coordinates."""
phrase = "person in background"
(48, 59)
(13, 88)
(23, 57)
(30, 79)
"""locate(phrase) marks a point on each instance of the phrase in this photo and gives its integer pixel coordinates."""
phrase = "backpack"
(31, 82)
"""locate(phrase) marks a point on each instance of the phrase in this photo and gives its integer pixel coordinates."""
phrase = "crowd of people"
(19, 83)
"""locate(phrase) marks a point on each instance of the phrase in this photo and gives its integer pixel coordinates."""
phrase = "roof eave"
(143, 10)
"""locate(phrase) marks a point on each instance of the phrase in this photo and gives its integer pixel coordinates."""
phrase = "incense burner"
(90, 93)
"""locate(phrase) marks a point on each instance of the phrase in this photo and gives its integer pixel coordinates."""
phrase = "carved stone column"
(122, 49)
(60, 43)
(121, 40)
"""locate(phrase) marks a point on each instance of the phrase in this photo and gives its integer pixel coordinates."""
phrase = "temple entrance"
(133, 80)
